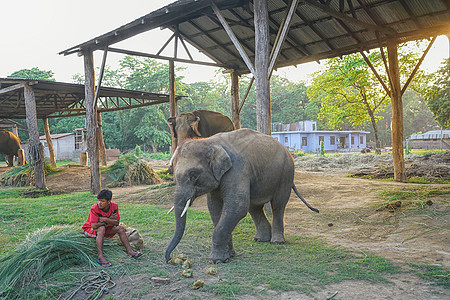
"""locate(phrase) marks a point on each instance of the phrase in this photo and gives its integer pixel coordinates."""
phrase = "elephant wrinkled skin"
(240, 171)
(10, 145)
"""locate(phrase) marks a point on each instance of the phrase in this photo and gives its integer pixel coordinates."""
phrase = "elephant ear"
(220, 162)
(194, 126)
(172, 124)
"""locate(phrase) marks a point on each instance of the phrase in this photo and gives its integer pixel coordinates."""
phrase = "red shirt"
(95, 213)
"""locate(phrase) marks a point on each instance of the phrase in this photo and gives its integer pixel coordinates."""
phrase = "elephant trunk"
(179, 231)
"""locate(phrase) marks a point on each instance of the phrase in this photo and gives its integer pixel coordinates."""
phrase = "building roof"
(318, 30)
(60, 99)
(430, 135)
(323, 132)
(57, 135)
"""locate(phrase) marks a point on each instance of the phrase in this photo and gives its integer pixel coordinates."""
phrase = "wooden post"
(49, 143)
(263, 113)
(91, 122)
(101, 141)
(35, 147)
(173, 102)
(397, 114)
(235, 102)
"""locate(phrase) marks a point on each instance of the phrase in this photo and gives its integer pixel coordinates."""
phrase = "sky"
(35, 31)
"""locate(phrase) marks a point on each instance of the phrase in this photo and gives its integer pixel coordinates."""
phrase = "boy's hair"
(105, 194)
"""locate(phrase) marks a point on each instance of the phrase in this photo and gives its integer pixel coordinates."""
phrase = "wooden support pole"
(173, 106)
(235, 103)
(91, 122)
(101, 141)
(49, 143)
(263, 109)
(36, 156)
(397, 114)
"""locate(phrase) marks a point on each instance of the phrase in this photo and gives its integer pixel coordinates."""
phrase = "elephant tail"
(304, 201)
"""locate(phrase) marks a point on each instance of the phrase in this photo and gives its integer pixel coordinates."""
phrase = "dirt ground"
(352, 215)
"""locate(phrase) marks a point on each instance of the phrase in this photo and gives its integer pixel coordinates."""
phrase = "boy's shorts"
(91, 233)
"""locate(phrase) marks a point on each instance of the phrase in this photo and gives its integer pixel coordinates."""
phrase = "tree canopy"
(33, 73)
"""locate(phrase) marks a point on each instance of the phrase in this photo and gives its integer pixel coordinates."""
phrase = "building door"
(342, 142)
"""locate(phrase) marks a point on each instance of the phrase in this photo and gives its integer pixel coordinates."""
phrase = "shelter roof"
(59, 99)
(57, 135)
(319, 28)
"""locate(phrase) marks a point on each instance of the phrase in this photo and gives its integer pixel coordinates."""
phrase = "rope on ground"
(95, 285)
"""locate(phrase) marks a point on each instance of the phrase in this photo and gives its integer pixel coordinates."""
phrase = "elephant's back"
(9, 142)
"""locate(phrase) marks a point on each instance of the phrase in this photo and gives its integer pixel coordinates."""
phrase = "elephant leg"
(215, 205)
(222, 245)
(278, 204)
(263, 228)
(10, 160)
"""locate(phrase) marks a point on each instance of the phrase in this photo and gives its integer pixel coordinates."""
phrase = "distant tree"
(438, 96)
(288, 99)
(350, 94)
(34, 73)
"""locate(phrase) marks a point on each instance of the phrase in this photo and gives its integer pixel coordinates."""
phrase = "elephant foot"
(221, 257)
(278, 241)
(258, 239)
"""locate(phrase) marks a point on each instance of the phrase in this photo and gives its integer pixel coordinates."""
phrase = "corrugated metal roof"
(319, 29)
(431, 135)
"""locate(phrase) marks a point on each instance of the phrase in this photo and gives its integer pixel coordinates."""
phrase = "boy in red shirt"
(103, 221)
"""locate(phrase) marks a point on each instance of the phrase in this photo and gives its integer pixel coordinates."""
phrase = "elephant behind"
(239, 171)
(10, 145)
(199, 123)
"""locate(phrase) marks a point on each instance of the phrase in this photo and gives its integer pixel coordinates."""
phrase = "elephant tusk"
(186, 207)
(173, 157)
(170, 210)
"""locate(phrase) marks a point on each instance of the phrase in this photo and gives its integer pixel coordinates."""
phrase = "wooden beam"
(235, 99)
(101, 141)
(91, 122)
(280, 38)
(233, 38)
(48, 138)
(263, 109)
(100, 77)
(181, 60)
(386, 30)
(11, 88)
(418, 65)
(376, 73)
(35, 150)
(172, 101)
(246, 93)
(397, 115)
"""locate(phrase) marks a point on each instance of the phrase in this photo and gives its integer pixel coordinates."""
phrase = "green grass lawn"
(302, 264)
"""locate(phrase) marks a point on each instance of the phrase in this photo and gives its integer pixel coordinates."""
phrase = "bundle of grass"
(141, 172)
(133, 170)
(19, 176)
(24, 175)
(42, 253)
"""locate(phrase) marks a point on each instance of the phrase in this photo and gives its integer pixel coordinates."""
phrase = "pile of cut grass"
(43, 252)
(24, 175)
(132, 170)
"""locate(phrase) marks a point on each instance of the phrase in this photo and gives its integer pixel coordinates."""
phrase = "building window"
(361, 140)
(332, 140)
(286, 139)
(353, 140)
(304, 141)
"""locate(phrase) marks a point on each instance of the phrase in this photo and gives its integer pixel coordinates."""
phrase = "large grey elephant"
(199, 123)
(10, 145)
(240, 171)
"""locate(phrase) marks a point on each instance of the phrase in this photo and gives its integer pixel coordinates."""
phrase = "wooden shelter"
(258, 36)
(33, 99)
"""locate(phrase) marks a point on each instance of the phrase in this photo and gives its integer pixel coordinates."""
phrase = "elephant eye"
(193, 176)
